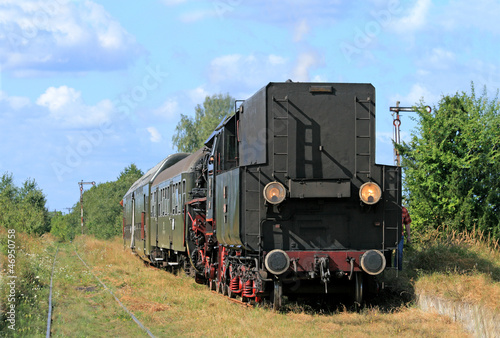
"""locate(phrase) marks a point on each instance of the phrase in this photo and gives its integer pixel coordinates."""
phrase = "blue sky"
(89, 87)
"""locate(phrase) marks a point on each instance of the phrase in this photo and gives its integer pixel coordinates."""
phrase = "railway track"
(235, 300)
(49, 316)
(105, 287)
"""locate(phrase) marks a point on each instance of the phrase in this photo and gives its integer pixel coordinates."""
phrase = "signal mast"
(81, 198)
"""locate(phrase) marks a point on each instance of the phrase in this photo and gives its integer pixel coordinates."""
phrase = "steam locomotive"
(284, 199)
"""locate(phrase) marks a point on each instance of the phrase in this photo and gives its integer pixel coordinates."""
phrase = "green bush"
(452, 165)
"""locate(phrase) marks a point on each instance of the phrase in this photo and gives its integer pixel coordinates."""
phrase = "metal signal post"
(81, 197)
(397, 125)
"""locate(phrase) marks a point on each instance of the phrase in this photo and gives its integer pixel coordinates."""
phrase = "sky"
(89, 87)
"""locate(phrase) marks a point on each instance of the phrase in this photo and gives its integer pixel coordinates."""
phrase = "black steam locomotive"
(285, 198)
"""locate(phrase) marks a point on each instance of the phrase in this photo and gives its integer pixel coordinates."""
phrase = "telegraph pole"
(81, 197)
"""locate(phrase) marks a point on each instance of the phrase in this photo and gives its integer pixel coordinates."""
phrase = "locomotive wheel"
(358, 288)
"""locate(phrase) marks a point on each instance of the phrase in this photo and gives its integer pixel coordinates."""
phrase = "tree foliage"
(23, 208)
(63, 226)
(191, 133)
(102, 210)
(452, 165)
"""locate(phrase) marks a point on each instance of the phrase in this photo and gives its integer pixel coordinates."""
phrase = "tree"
(191, 133)
(102, 209)
(452, 165)
(23, 208)
(63, 227)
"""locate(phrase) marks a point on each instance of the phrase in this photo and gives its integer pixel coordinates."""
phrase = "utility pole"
(69, 209)
(397, 125)
(81, 197)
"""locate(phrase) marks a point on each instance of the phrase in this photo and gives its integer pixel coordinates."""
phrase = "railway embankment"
(457, 275)
(479, 320)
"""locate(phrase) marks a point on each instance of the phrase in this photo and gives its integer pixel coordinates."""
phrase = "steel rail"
(49, 316)
(118, 301)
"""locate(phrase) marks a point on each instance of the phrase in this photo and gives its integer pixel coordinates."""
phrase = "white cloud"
(248, 71)
(301, 30)
(198, 95)
(463, 14)
(224, 66)
(416, 93)
(155, 135)
(276, 60)
(416, 18)
(441, 58)
(66, 107)
(305, 62)
(62, 36)
(168, 109)
(15, 102)
(319, 78)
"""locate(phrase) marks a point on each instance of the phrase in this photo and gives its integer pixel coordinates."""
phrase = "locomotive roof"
(150, 175)
(182, 166)
(222, 123)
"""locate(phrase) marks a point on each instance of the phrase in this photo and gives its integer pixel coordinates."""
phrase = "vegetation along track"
(90, 300)
(172, 305)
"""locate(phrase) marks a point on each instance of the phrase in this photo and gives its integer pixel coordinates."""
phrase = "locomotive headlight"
(370, 193)
(373, 262)
(277, 261)
(274, 193)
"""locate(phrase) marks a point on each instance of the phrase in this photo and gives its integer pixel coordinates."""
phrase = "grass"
(33, 263)
(82, 307)
(452, 265)
(174, 305)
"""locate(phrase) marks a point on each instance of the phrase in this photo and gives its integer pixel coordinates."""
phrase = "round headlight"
(370, 193)
(274, 193)
(277, 261)
(373, 262)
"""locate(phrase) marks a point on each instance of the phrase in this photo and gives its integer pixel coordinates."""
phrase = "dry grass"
(174, 305)
(82, 306)
(459, 266)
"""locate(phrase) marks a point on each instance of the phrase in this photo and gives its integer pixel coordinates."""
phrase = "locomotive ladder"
(363, 140)
(253, 201)
(391, 190)
(280, 137)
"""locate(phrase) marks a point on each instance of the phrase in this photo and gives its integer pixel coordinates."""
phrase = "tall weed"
(33, 262)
